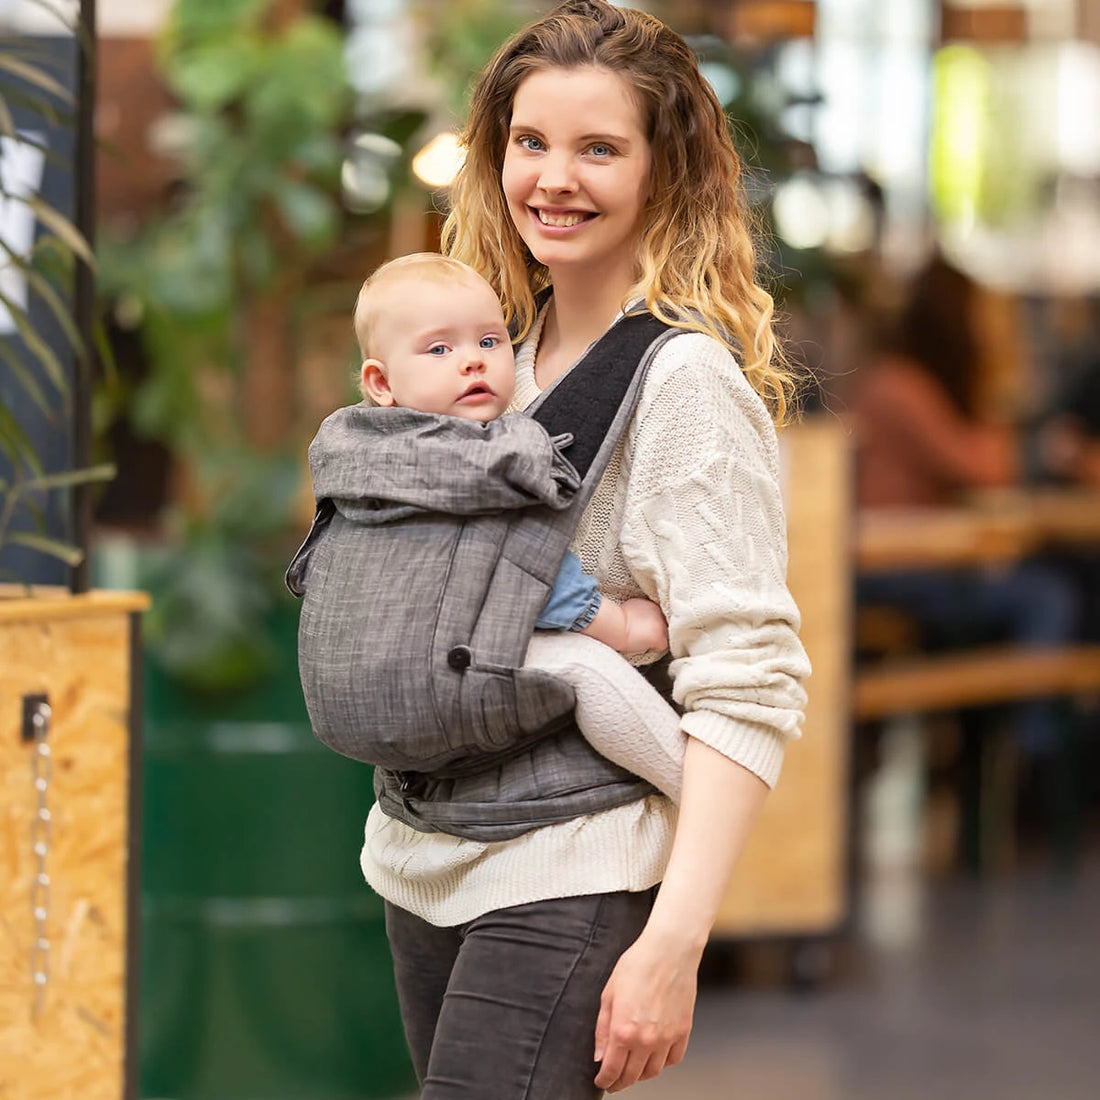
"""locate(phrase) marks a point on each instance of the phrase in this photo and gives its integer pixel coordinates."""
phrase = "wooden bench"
(907, 685)
(947, 681)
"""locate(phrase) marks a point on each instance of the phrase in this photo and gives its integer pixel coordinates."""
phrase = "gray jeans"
(504, 1007)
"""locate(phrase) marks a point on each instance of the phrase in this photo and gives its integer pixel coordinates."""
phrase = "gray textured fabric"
(384, 465)
(435, 544)
(414, 621)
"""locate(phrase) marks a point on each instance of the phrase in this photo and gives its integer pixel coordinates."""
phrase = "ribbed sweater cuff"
(757, 748)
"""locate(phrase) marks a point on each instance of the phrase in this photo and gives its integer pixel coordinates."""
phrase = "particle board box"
(70, 1036)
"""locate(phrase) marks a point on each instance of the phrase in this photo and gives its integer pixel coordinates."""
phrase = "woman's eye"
(531, 144)
(489, 342)
(600, 150)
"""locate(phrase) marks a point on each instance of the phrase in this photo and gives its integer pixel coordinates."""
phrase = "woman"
(923, 442)
(599, 165)
(923, 439)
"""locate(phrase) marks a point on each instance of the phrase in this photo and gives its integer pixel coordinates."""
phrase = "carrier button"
(460, 658)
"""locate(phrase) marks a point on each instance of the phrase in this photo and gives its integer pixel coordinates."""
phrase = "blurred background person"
(924, 440)
(922, 437)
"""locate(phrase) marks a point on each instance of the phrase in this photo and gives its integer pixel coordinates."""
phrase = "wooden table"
(995, 527)
(991, 529)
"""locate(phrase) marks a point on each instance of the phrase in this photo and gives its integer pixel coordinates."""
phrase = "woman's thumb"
(603, 1025)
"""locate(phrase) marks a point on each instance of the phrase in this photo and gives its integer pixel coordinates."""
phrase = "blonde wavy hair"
(697, 259)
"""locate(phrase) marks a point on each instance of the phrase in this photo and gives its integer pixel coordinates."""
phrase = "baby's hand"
(646, 628)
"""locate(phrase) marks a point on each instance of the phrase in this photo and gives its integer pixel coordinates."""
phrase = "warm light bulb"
(436, 164)
(801, 213)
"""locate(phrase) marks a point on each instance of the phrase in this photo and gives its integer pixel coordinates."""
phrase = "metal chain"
(41, 830)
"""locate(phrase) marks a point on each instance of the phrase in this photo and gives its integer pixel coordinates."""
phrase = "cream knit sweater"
(689, 514)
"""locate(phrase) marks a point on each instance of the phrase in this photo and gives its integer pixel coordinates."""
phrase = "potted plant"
(66, 654)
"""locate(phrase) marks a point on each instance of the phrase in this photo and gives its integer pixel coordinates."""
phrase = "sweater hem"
(448, 880)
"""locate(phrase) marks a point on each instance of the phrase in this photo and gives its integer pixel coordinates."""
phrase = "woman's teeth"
(560, 221)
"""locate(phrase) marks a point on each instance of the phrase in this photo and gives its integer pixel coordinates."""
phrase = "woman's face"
(576, 171)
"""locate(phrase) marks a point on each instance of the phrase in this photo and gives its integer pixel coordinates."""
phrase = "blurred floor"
(955, 989)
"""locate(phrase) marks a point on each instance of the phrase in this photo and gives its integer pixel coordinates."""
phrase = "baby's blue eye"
(437, 349)
(489, 342)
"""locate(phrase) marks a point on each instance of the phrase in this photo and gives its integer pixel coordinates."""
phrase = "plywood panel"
(792, 878)
(75, 1047)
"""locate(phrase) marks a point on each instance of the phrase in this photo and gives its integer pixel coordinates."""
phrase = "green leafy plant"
(34, 367)
(461, 35)
(259, 137)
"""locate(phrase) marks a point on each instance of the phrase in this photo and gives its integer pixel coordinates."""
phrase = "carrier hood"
(379, 465)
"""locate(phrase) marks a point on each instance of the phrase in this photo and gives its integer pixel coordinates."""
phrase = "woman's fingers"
(676, 1052)
(632, 1072)
(653, 1066)
(612, 1067)
(644, 1018)
(603, 1024)
(637, 1066)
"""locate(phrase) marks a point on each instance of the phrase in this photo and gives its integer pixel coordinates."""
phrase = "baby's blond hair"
(417, 265)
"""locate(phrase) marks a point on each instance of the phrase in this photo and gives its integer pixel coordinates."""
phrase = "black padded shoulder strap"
(599, 392)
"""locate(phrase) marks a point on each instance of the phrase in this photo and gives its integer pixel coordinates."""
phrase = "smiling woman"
(600, 180)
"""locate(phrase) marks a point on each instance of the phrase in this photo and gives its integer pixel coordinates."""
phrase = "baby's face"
(443, 348)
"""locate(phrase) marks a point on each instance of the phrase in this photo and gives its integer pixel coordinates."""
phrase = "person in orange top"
(922, 437)
(922, 441)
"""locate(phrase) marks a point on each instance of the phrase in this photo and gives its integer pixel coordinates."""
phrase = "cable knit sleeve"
(703, 533)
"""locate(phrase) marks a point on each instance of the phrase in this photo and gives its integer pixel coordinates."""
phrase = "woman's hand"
(647, 1004)
(645, 1011)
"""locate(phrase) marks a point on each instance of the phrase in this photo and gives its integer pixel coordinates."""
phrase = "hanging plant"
(38, 270)
(259, 139)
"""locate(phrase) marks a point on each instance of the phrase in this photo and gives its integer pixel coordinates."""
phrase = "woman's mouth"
(562, 219)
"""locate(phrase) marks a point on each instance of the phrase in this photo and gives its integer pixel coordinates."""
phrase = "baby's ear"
(373, 383)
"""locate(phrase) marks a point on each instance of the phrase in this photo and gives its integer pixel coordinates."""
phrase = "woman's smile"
(561, 219)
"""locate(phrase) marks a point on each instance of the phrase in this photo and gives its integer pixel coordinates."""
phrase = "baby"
(434, 340)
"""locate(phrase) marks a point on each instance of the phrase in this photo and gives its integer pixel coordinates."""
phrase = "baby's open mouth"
(477, 388)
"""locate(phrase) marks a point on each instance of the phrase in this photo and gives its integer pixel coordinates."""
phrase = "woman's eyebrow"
(613, 139)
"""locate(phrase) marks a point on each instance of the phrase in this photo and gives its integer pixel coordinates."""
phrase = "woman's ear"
(372, 379)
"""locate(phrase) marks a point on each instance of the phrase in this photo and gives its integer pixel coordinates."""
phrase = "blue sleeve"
(574, 599)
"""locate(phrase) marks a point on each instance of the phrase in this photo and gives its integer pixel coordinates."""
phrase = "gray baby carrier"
(435, 544)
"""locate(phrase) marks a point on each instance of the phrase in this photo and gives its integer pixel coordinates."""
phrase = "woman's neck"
(578, 316)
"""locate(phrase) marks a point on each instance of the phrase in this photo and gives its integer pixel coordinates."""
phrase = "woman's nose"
(556, 173)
